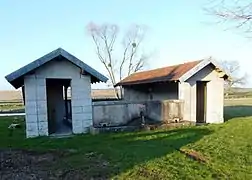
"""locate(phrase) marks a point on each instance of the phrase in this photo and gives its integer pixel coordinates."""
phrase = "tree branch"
(104, 38)
(233, 68)
(238, 13)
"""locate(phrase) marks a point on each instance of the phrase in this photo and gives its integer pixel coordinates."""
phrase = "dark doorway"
(59, 118)
(201, 101)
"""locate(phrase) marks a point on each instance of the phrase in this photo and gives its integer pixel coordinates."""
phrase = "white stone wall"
(185, 91)
(215, 95)
(215, 101)
(36, 103)
(81, 104)
(35, 106)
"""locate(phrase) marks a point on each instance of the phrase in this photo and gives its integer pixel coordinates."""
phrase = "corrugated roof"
(16, 77)
(170, 73)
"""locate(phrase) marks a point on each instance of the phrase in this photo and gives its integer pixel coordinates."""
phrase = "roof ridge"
(168, 73)
(174, 65)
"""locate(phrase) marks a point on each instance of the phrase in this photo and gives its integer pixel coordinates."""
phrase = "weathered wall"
(130, 94)
(36, 104)
(186, 93)
(116, 113)
(166, 111)
(156, 91)
(165, 91)
(215, 95)
(121, 112)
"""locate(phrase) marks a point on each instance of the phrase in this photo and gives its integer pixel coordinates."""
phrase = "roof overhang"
(16, 78)
(145, 82)
(202, 65)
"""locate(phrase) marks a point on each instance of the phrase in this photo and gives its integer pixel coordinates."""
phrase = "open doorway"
(201, 101)
(58, 107)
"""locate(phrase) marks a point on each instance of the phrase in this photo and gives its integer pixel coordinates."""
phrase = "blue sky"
(178, 31)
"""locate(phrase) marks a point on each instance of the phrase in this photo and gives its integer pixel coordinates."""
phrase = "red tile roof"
(170, 73)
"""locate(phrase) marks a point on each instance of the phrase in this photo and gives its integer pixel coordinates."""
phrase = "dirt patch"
(168, 125)
(24, 164)
(197, 156)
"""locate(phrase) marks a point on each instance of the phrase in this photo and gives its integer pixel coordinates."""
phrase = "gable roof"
(180, 72)
(16, 78)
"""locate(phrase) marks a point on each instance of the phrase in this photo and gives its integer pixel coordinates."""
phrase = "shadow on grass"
(110, 154)
(237, 111)
(125, 151)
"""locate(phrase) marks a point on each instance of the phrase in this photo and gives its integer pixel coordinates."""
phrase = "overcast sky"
(179, 31)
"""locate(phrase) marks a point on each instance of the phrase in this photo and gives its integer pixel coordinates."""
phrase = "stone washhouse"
(45, 82)
(199, 84)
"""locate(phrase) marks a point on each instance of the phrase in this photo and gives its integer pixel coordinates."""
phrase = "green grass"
(237, 108)
(151, 154)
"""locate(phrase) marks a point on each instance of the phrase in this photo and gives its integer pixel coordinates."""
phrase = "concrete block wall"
(81, 104)
(36, 100)
(35, 106)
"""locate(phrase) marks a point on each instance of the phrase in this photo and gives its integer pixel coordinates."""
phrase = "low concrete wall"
(117, 113)
(167, 111)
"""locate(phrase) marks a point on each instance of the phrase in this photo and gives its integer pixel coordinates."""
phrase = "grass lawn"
(237, 108)
(226, 149)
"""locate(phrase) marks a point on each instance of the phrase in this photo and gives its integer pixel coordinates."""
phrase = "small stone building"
(199, 84)
(44, 84)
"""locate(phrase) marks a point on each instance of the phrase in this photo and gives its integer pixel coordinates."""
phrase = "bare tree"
(233, 68)
(236, 14)
(132, 58)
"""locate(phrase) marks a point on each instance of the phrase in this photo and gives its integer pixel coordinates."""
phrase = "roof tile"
(169, 73)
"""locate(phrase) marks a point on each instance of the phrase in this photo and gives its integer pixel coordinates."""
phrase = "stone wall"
(35, 106)
(117, 113)
(166, 111)
(81, 104)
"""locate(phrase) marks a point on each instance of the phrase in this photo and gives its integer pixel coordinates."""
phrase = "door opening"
(59, 115)
(201, 101)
